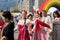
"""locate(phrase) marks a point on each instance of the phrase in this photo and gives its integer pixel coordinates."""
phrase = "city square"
(29, 19)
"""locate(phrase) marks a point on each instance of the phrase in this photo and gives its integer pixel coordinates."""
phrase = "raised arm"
(42, 24)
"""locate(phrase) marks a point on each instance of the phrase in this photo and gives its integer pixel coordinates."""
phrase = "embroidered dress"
(56, 29)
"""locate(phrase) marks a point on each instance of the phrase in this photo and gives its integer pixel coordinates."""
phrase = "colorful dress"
(30, 26)
(56, 29)
(23, 31)
(39, 32)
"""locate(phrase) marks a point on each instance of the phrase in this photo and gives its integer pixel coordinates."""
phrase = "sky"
(6, 4)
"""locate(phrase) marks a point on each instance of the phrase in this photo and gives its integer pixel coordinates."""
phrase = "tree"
(15, 11)
(1, 10)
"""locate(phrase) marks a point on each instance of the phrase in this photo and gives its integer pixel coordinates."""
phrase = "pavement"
(16, 35)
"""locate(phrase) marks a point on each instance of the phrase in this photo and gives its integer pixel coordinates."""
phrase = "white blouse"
(47, 20)
(22, 22)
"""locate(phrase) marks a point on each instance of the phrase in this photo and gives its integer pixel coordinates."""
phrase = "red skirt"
(23, 33)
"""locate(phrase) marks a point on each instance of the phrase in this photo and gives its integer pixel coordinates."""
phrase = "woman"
(29, 19)
(30, 26)
(56, 26)
(1, 24)
(47, 19)
(38, 29)
(8, 32)
(23, 29)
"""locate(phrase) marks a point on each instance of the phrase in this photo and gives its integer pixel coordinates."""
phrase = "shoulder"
(58, 19)
(10, 25)
(48, 17)
(27, 20)
(20, 22)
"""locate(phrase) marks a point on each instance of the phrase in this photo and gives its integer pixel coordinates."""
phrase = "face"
(5, 20)
(23, 15)
(36, 15)
(43, 13)
(30, 17)
(55, 15)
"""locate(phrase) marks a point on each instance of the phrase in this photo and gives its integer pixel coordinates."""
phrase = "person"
(38, 30)
(22, 27)
(29, 19)
(8, 32)
(1, 26)
(30, 26)
(56, 26)
(47, 19)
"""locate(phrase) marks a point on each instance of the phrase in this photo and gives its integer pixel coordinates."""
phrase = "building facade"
(29, 5)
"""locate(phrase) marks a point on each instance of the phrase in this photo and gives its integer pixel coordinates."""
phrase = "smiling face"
(30, 16)
(23, 15)
(44, 14)
(56, 14)
(37, 15)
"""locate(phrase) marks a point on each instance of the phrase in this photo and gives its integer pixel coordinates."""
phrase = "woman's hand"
(51, 33)
(4, 38)
(31, 33)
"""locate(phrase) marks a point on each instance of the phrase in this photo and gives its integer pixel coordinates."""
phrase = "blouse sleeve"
(16, 27)
(50, 23)
(33, 22)
(43, 24)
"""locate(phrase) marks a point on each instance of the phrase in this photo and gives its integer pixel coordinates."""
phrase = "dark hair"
(40, 14)
(57, 13)
(44, 11)
(7, 14)
(30, 15)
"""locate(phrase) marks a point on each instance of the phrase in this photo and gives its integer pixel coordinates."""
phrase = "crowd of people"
(31, 26)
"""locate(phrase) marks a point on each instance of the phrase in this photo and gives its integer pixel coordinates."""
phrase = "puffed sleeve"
(43, 24)
(16, 26)
(50, 23)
